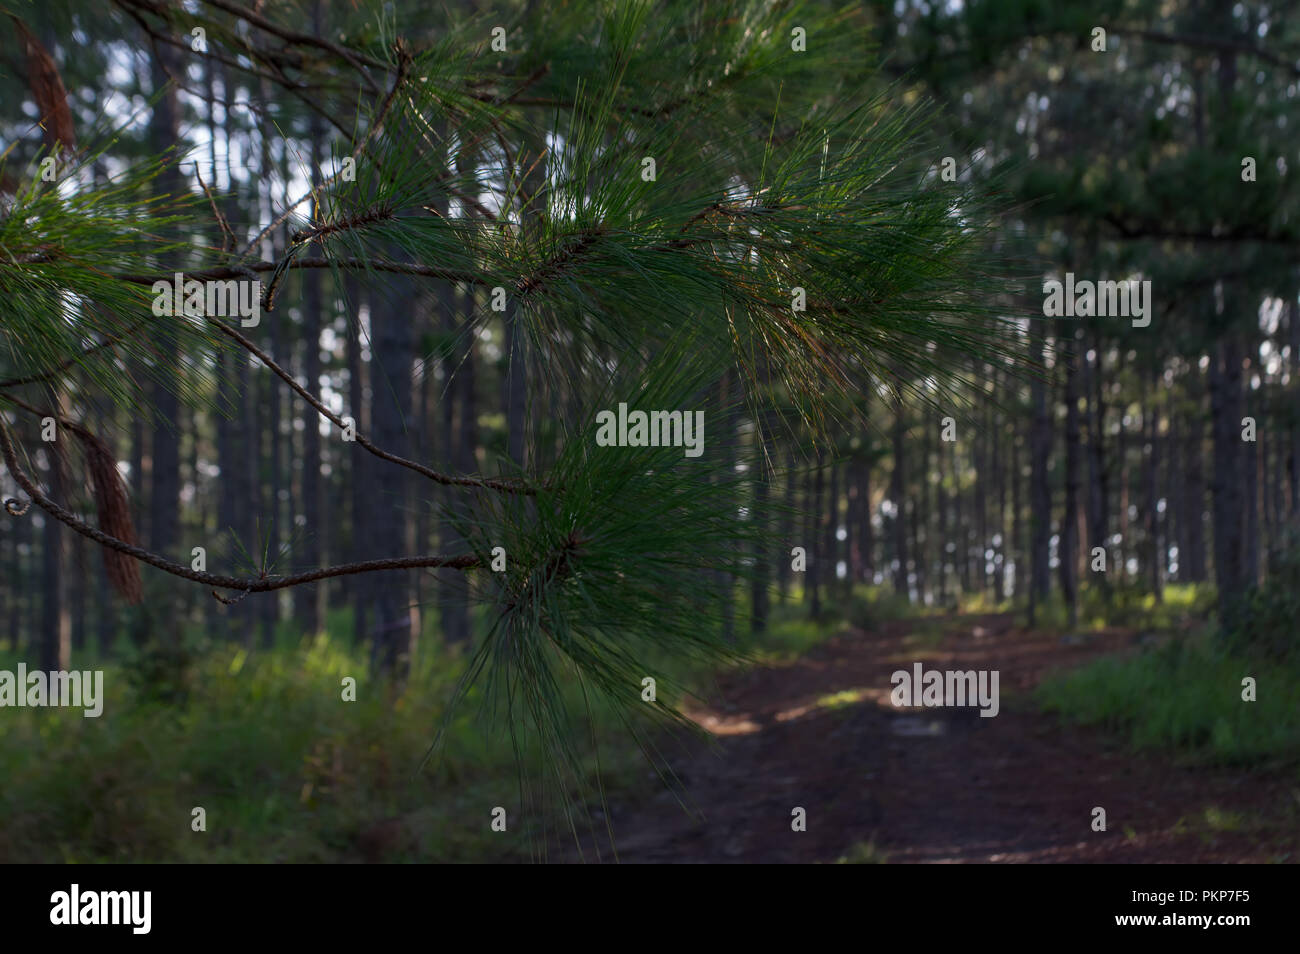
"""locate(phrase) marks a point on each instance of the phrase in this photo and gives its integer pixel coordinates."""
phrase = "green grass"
(289, 772)
(863, 853)
(1130, 606)
(1186, 697)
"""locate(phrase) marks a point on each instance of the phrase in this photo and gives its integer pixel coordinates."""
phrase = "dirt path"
(938, 785)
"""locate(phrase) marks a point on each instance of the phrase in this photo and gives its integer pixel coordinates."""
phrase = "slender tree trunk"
(999, 475)
(1226, 489)
(164, 498)
(56, 622)
(920, 511)
(819, 555)
(1155, 552)
(1017, 521)
(786, 531)
(832, 544)
(898, 491)
(1040, 494)
(961, 533)
(1174, 481)
(390, 410)
(22, 587)
(761, 582)
(1293, 461)
(268, 534)
(726, 582)
(1194, 455)
(310, 601)
(866, 531)
(1098, 471)
(852, 521)
(1068, 546)
(359, 459)
(458, 435)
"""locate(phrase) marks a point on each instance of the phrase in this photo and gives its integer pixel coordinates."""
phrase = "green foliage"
(790, 633)
(1128, 604)
(614, 564)
(288, 772)
(1186, 697)
(1264, 622)
(285, 769)
(67, 249)
(162, 671)
(863, 853)
(523, 170)
(868, 606)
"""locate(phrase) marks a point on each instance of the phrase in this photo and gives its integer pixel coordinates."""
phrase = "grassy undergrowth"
(287, 771)
(1186, 697)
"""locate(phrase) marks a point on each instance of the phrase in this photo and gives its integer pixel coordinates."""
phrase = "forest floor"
(938, 785)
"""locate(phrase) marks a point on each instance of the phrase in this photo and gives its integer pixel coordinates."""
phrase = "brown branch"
(156, 37)
(302, 39)
(501, 100)
(109, 492)
(229, 242)
(445, 479)
(346, 264)
(259, 584)
(359, 221)
(403, 66)
(558, 264)
(557, 567)
(1220, 44)
(1148, 230)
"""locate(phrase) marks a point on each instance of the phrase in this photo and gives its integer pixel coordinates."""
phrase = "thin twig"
(345, 264)
(303, 39)
(259, 584)
(229, 243)
(445, 479)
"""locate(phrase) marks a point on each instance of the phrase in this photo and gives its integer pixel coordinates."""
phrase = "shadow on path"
(935, 785)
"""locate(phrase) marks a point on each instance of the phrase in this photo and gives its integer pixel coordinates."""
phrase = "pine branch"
(404, 65)
(345, 264)
(445, 479)
(356, 59)
(258, 584)
(67, 363)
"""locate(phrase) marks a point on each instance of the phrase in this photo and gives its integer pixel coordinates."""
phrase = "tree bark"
(897, 491)
(1226, 487)
(1040, 494)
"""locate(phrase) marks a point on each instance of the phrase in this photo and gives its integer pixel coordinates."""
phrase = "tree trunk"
(458, 436)
(897, 491)
(1040, 494)
(1155, 552)
(1194, 455)
(164, 497)
(817, 553)
(390, 409)
(56, 622)
(760, 599)
(309, 601)
(786, 531)
(1068, 547)
(1098, 472)
(360, 461)
(1226, 487)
